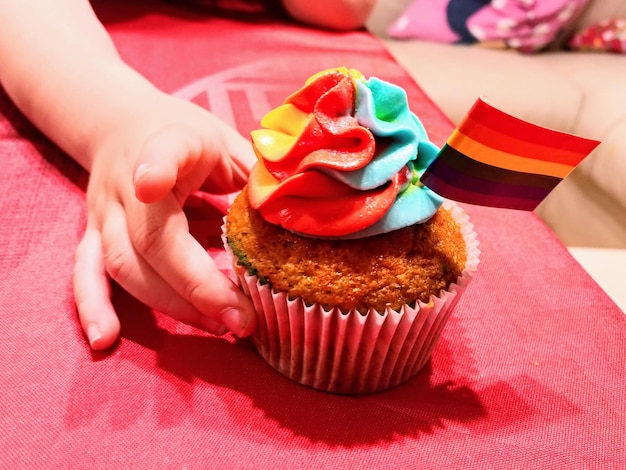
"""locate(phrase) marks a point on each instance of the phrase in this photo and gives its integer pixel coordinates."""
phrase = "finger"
(182, 157)
(235, 157)
(161, 237)
(158, 165)
(177, 156)
(93, 294)
(140, 280)
(237, 161)
(242, 156)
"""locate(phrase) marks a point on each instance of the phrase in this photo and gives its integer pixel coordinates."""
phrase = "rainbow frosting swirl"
(342, 158)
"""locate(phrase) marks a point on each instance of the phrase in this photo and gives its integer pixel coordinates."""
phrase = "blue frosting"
(401, 141)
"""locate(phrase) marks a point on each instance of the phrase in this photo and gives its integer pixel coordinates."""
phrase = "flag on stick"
(494, 159)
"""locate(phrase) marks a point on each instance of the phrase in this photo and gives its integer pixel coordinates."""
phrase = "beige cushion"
(599, 10)
(606, 167)
(455, 76)
(384, 13)
(588, 208)
(601, 79)
(583, 214)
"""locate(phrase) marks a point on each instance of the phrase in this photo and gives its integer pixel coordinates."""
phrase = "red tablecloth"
(529, 373)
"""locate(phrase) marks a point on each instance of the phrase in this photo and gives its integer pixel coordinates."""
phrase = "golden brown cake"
(386, 270)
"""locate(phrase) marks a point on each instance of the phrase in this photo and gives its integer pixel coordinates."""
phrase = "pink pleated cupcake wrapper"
(353, 353)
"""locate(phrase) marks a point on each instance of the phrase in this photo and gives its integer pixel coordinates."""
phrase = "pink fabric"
(527, 25)
(529, 372)
(424, 19)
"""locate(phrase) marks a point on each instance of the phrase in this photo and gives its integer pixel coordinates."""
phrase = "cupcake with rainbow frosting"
(352, 264)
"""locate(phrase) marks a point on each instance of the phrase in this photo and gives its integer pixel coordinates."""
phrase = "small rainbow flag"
(497, 160)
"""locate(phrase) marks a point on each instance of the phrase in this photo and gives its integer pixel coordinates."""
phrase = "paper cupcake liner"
(353, 353)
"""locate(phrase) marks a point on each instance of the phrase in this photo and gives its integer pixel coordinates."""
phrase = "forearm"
(62, 70)
(333, 14)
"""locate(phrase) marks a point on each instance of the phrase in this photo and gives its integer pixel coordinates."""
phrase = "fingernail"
(140, 171)
(235, 320)
(93, 333)
(212, 326)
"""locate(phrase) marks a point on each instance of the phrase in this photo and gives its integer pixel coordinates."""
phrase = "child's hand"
(137, 232)
(146, 152)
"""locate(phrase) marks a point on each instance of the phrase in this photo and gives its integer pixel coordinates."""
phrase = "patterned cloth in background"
(526, 25)
(604, 36)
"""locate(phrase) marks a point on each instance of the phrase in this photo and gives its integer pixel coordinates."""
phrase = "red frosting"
(294, 192)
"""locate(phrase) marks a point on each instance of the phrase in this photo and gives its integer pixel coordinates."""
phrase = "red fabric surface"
(529, 373)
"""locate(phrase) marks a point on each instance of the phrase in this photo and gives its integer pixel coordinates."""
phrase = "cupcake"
(352, 264)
